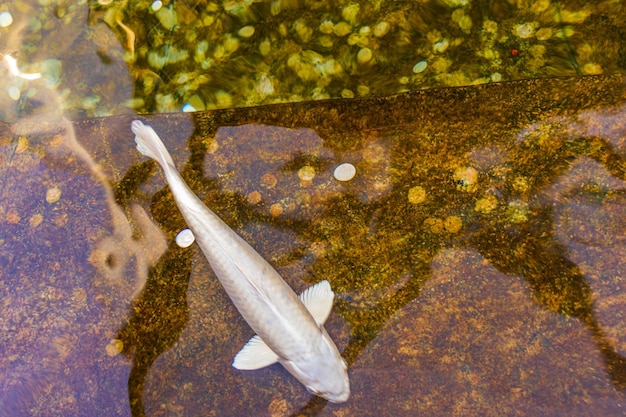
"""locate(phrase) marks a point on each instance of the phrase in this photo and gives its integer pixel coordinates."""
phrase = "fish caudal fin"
(150, 144)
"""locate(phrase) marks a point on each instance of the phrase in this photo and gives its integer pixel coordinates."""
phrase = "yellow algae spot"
(115, 347)
(278, 407)
(213, 146)
(408, 351)
(276, 209)
(540, 6)
(254, 197)
(520, 184)
(434, 224)
(268, 181)
(517, 211)
(35, 220)
(22, 145)
(306, 173)
(490, 26)
(57, 141)
(453, 224)
(417, 195)
(53, 195)
(591, 68)
(466, 179)
(486, 204)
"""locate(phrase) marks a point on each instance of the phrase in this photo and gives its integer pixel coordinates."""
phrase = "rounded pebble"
(381, 29)
(364, 56)
(53, 195)
(417, 195)
(276, 209)
(246, 31)
(453, 224)
(115, 347)
(345, 172)
(156, 5)
(420, 67)
(254, 197)
(185, 238)
(306, 173)
(5, 19)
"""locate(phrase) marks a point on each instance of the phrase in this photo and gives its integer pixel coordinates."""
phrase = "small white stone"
(5, 19)
(185, 238)
(345, 172)
(14, 92)
(156, 5)
(420, 67)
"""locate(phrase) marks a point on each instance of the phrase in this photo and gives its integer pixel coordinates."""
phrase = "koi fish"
(289, 329)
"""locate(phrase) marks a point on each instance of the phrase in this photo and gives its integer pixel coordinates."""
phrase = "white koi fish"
(289, 330)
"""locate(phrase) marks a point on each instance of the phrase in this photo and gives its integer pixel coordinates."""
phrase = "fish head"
(324, 373)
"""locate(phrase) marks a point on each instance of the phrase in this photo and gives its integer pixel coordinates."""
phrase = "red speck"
(514, 52)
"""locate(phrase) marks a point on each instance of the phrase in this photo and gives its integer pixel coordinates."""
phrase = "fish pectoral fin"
(254, 355)
(318, 299)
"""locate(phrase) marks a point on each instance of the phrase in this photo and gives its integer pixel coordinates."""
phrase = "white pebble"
(14, 92)
(5, 19)
(185, 238)
(345, 172)
(156, 5)
(420, 67)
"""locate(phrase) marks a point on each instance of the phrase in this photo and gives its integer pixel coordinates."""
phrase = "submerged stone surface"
(477, 255)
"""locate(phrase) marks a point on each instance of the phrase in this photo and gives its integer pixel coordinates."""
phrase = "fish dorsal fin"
(318, 299)
(254, 355)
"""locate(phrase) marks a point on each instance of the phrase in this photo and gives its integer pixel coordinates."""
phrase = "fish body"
(289, 329)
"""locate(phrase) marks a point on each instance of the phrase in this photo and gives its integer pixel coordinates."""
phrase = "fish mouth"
(337, 397)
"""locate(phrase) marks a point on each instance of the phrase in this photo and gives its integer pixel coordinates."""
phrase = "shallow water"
(477, 255)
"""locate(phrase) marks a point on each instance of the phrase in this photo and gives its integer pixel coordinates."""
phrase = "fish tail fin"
(150, 144)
